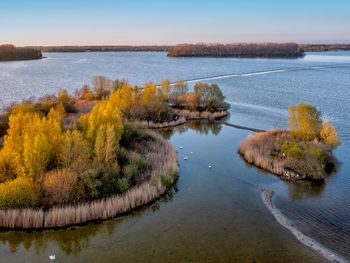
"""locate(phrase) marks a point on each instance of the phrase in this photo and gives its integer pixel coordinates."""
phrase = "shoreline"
(101, 209)
(267, 198)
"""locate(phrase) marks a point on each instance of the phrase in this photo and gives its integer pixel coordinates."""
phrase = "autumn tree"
(304, 121)
(105, 112)
(177, 89)
(74, 152)
(210, 96)
(106, 145)
(192, 101)
(101, 86)
(329, 134)
(164, 89)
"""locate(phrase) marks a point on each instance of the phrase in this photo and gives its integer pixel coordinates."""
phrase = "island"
(304, 152)
(10, 52)
(67, 160)
(242, 50)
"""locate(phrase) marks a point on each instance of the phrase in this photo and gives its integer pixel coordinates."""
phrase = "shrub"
(123, 185)
(131, 171)
(166, 180)
(59, 187)
(293, 149)
(317, 153)
(18, 193)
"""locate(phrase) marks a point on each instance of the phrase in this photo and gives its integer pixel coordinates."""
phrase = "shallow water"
(212, 215)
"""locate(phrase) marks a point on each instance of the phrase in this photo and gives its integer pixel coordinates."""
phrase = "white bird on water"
(191, 152)
(185, 158)
(209, 166)
(52, 257)
(181, 147)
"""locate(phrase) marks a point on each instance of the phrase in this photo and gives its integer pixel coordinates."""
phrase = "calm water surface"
(212, 215)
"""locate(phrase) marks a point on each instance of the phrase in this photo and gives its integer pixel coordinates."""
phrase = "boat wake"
(267, 196)
(256, 73)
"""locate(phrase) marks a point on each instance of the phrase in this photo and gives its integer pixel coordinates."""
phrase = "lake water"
(212, 215)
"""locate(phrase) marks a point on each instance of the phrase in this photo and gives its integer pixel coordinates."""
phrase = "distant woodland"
(246, 50)
(332, 47)
(101, 48)
(10, 52)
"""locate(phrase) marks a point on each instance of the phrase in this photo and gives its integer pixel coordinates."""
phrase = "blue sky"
(137, 22)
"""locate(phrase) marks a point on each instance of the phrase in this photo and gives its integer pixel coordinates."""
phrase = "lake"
(212, 215)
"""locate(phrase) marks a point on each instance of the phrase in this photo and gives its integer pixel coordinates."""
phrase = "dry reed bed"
(162, 159)
(153, 125)
(205, 115)
(264, 150)
(256, 149)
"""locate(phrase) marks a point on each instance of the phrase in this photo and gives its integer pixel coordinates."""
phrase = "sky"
(168, 22)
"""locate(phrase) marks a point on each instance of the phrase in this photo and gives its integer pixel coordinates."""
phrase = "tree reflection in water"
(305, 189)
(201, 126)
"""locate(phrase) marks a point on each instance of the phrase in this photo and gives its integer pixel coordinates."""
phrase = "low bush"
(18, 193)
(59, 187)
(293, 149)
(166, 179)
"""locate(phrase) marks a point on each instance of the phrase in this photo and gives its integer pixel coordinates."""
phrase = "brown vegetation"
(248, 50)
(281, 153)
(324, 47)
(201, 115)
(304, 152)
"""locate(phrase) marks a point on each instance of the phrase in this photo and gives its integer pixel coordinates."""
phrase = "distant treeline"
(245, 50)
(101, 48)
(10, 52)
(322, 47)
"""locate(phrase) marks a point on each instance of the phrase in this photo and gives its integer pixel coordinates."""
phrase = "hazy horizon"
(156, 22)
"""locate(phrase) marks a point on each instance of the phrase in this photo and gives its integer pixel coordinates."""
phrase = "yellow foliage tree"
(304, 121)
(32, 142)
(329, 134)
(75, 151)
(105, 112)
(106, 145)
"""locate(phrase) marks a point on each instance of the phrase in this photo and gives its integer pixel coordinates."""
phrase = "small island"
(67, 160)
(10, 53)
(302, 153)
(242, 50)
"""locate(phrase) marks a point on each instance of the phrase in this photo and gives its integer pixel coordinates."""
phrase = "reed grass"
(160, 156)
(265, 150)
(154, 125)
(203, 115)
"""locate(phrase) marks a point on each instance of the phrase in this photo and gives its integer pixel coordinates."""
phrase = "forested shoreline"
(113, 48)
(171, 48)
(242, 50)
(10, 52)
